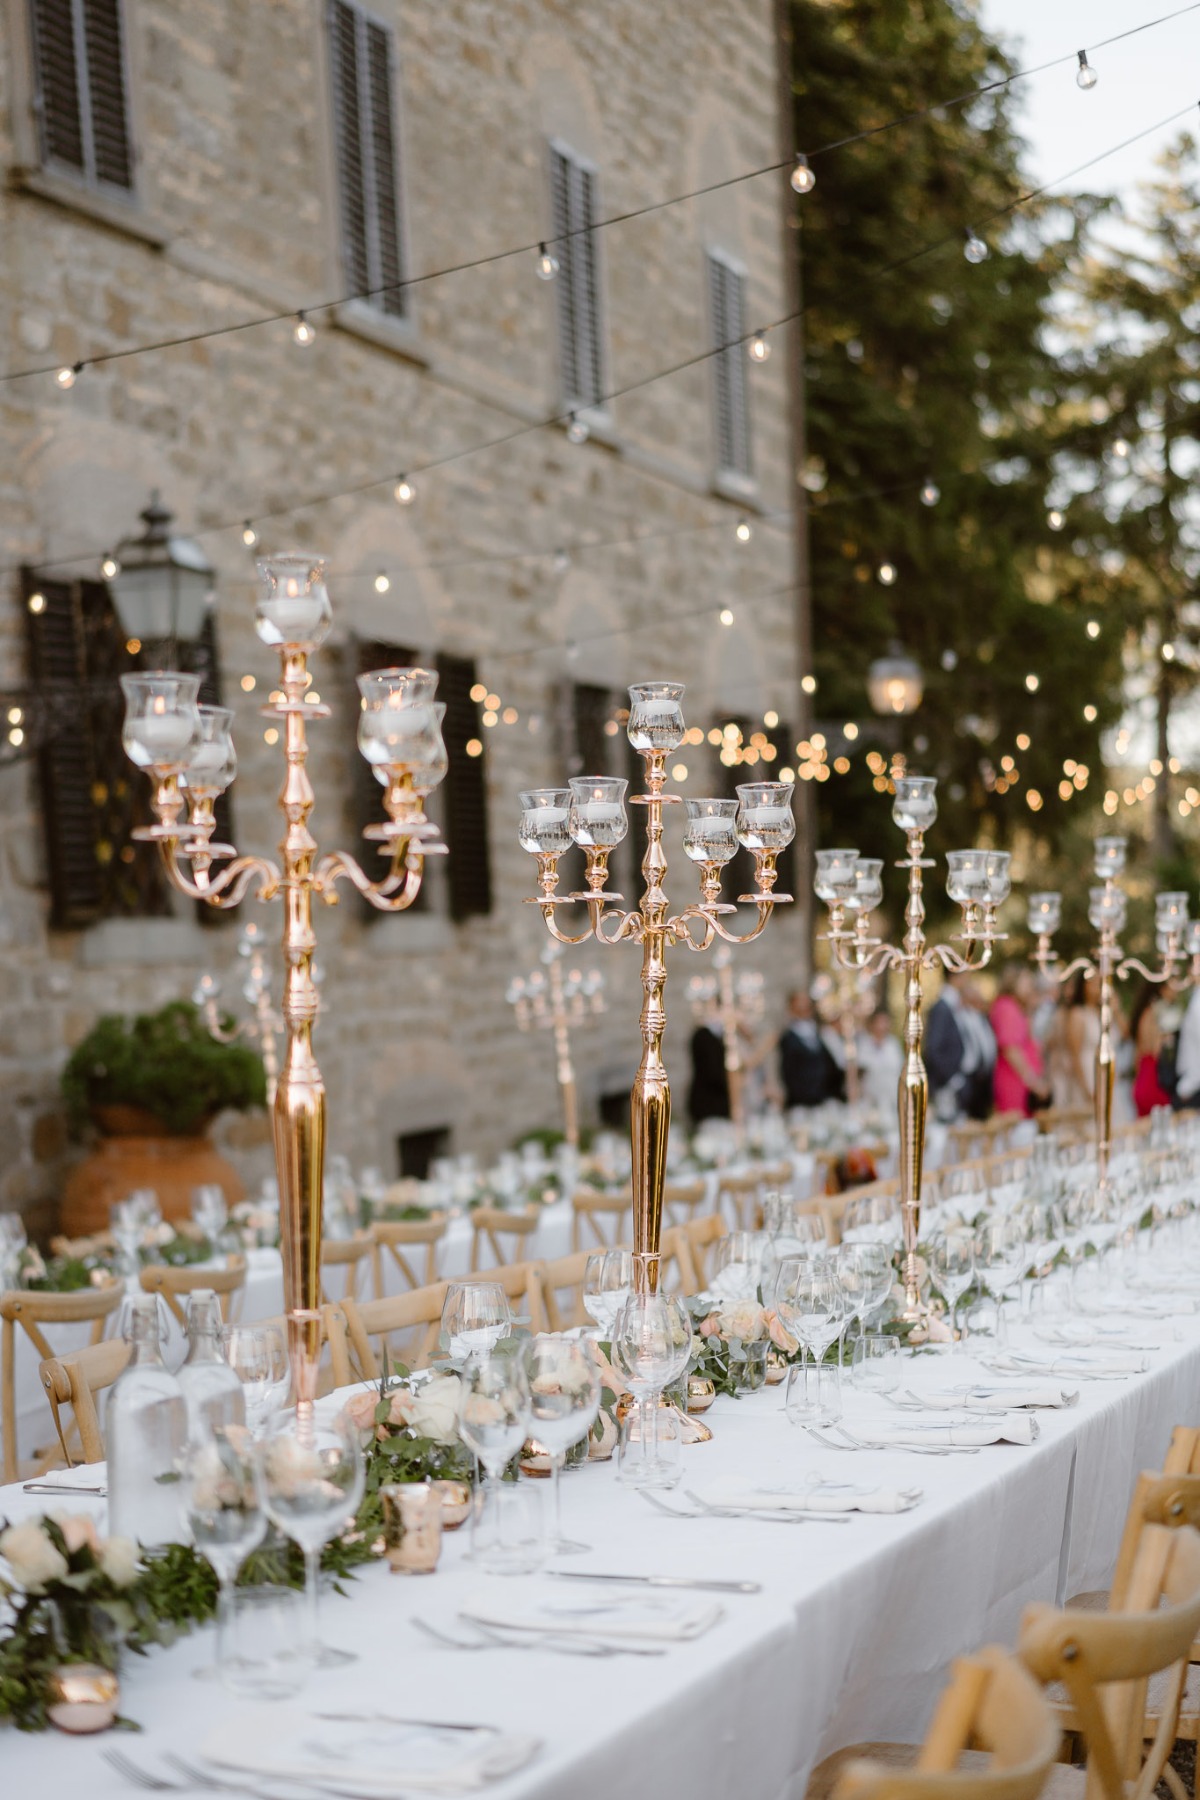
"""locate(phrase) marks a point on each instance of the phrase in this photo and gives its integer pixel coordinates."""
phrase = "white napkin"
(1007, 1428)
(991, 1399)
(655, 1616)
(367, 1756)
(1085, 1365)
(801, 1497)
(87, 1475)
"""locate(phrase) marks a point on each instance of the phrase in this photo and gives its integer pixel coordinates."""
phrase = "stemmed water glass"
(494, 1420)
(223, 1511)
(952, 1266)
(651, 1348)
(209, 1211)
(607, 1285)
(564, 1393)
(475, 1317)
(737, 1264)
(809, 1302)
(1000, 1259)
(312, 1480)
(258, 1356)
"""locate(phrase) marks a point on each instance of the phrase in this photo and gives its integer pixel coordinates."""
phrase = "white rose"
(31, 1556)
(434, 1410)
(119, 1560)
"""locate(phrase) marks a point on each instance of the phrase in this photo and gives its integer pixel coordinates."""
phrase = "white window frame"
(739, 483)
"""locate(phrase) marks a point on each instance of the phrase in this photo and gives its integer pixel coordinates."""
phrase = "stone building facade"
(175, 169)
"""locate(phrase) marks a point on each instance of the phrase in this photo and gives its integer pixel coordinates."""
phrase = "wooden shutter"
(468, 867)
(727, 310)
(363, 78)
(789, 873)
(367, 799)
(574, 210)
(80, 89)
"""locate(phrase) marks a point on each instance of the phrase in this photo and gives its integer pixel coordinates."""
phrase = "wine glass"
(737, 1264)
(312, 1478)
(475, 1317)
(1000, 1259)
(258, 1356)
(494, 1420)
(209, 1211)
(809, 1304)
(223, 1511)
(607, 1284)
(651, 1348)
(952, 1266)
(564, 1393)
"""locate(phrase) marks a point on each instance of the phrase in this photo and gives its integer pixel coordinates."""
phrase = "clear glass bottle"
(147, 1434)
(211, 1388)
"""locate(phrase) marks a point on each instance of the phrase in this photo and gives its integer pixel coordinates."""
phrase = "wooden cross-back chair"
(351, 1255)
(682, 1200)
(605, 1216)
(992, 1737)
(738, 1192)
(177, 1284)
(832, 1208)
(699, 1235)
(562, 1290)
(391, 1238)
(351, 1325)
(33, 1312)
(74, 1380)
(493, 1225)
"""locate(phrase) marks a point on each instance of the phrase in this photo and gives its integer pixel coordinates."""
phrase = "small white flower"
(435, 1408)
(119, 1560)
(31, 1556)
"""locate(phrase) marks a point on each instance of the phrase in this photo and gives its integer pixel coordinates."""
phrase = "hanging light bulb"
(1033, 683)
(726, 615)
(760, 350)
(975, 250)
(802, 178)
(404, 491)
(1093, 628)
(67, 376)
(249, 535)
(577, 431)
(887, 574)
(743, 532)
(109, 566)
(546, 265)
(1054, 519)
(1121, 449)
(382, 584)
(931, 493)
(1085, 76)
(302, 331)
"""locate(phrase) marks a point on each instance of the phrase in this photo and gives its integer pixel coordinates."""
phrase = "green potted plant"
(151, 1086)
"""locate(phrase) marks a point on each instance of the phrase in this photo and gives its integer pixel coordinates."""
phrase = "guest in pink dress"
(1019, 1080)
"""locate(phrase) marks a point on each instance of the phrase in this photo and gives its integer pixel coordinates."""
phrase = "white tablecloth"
(850, 1637)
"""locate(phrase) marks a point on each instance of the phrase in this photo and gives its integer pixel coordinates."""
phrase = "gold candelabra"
(736, 998)
(187, 750)
(1106, 915)
(591, 813)
(852, 887)
(554, 1001)
(264, 1023)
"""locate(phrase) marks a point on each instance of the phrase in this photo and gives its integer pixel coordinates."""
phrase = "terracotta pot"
(172, 1166)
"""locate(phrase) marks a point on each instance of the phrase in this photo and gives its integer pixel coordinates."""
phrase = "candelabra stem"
(650, 1101)
(914, 1083)
(1105, 1074)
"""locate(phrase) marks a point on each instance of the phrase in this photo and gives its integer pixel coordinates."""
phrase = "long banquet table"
(850, 1637)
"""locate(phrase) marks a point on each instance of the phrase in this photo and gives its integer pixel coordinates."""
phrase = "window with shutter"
(574, 210)
(468, 866)
(366, 138)
(91, 798)
(81, 90)
(731, 409)
(367, 799)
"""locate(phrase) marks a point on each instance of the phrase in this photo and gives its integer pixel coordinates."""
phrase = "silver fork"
(909, 1449)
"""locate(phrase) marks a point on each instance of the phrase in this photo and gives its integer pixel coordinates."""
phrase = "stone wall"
(236, 216)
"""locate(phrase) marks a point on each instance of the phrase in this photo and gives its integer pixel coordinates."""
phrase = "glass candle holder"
(915, 805)
(999, 876)
(1110, 854)
(1106, 908)
(412, 1527)
(764, 816)
(598, 820)
(867, 892)
(1044, 914)
(656, 715)
(710, 835)
(967, 877)
(212, 763)
(293, 610)
(162, 719)
(1170, 911)
(545, 828)
(835, 879)
(1192, 941)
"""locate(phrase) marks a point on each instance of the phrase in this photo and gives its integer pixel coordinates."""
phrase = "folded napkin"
(67, 1481)
(991, 1399)
(806, 1497)
(1101, 1364)
(892, 1433)
(369, 1755)
(655, 1617)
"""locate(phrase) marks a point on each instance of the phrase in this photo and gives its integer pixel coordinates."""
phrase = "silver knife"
(667, 1581)
(55, 1487)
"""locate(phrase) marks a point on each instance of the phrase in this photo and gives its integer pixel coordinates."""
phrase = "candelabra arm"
(956, 962)
(1080, 965)
(564, 937)
(226, 890)
(764, 908)
(405, 874)
(1131, 965)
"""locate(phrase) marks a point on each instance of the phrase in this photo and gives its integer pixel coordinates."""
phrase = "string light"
(742, 531)
(1085, 76)
(16, 737)
(36, 603)
(577, 431)
(771, 719)
(1120, 450)
(760, 350)
(1022, 740)
(248, 684)
(132, 646)
(802, 178)
(546, 265)
(1089, 713)
(302, 331)
(478, 692)
(270, 735)
(382, 584)
(975, 250)
(850, 730)
(404, 491)
(474, 747)
(887, 574)
(931, 493)
(1054, 519)
(808, 683)
(249, 535)
(15, 715)
(67, 376)
(726, 615)
(109, 566)
(1168, 653)
(1093, 628)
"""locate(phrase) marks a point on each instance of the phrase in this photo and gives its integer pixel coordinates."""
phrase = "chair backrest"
(682, 1199)
(562, 1290)
(676, 1264)
(604, 1215)
(75, 1380)
(700, 1234)
(391, 1237)
(31, 1311)
(174, 1284)
(833, 1208)
(991, 1704)
(1105, 1660)
(350, 1254)
(495, 1223)
(1066, 1122)
(351, 1324)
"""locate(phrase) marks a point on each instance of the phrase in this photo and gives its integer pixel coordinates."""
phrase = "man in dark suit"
(960, 1052)
(807, 1067)
(708, 1096)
